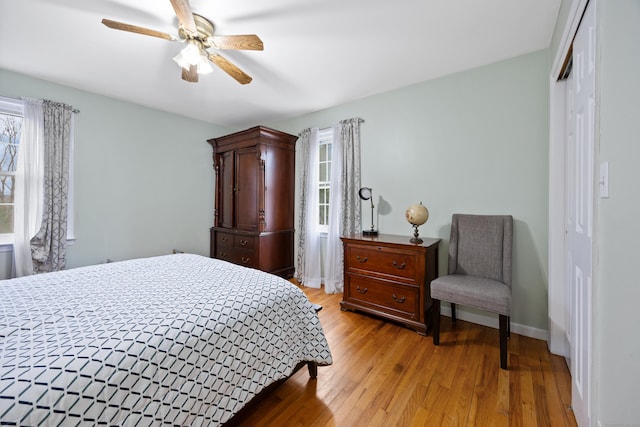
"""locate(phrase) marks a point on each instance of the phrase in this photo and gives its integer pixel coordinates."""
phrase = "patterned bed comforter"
(178, 339)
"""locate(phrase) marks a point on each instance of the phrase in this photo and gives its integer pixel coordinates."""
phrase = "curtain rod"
(73, 110)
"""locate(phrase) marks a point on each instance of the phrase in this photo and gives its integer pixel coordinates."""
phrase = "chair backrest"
(480, 245)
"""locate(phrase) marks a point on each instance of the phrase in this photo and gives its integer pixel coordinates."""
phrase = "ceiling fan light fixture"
(188, 56)
(194, 54)
(204, 66)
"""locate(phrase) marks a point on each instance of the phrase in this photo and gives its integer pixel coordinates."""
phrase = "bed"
(179, 339)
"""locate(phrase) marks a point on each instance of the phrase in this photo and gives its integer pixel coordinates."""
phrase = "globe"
(417, 214)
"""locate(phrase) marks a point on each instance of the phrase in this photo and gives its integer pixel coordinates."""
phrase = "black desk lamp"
(366, 193)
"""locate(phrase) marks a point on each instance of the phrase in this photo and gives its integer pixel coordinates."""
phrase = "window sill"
(8, 247)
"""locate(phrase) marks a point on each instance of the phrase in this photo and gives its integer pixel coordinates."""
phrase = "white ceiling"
(318, 53)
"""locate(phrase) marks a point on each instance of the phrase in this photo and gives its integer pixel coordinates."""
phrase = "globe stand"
(415, 238)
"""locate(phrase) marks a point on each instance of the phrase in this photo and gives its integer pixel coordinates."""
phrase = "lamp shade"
(204, 66)
(188, 56)
(194, 54)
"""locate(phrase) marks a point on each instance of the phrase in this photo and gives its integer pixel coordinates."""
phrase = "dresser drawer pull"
(361, 259)
(225, 239)
(399, 266)
(223, 254)
(243, 242)
(361, 291)
(396, 299)
(245, 260)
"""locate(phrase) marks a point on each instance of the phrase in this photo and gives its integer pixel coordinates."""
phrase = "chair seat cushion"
(473, 291)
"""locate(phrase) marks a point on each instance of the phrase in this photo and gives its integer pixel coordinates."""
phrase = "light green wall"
(617, 291)
(143, 178)
(473, 142)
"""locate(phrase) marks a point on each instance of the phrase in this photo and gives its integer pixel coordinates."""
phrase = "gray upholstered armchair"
(479, 271)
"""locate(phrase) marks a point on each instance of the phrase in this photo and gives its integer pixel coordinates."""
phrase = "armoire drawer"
(237, 256)
(244, 242)
(224, 239)
(233, 240)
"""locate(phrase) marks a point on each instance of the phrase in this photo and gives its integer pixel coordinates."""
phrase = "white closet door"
(580, 206)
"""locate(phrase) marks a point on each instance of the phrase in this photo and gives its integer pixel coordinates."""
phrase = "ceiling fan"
(197, 32)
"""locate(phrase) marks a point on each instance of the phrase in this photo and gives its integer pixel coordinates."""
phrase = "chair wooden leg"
(508, 327)
(453, 313)
(435, 310)
(504, 322)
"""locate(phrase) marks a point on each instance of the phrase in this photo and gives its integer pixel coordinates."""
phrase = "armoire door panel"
(247, 170)
(225, 190)
(279, 200)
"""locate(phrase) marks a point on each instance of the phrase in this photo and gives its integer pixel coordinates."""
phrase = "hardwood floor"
(386, 375)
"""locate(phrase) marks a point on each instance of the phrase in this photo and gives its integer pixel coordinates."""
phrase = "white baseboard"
(492, 322)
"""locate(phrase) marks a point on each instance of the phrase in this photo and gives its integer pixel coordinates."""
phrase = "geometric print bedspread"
(172, 340)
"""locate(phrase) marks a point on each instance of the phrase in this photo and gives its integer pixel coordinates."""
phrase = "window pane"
(323, 153)
(323, 172)
(6, 188)
(6, 219)
(8, 156)
(10, 129)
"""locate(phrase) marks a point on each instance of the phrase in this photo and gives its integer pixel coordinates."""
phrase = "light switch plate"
(604, 180)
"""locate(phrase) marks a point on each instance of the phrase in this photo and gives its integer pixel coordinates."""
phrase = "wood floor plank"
(386, 375)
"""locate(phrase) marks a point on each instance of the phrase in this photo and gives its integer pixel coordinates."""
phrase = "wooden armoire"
(253, 219)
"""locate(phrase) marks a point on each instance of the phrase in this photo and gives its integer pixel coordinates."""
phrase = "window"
(11, 114)
(324, 177)
(10, 131)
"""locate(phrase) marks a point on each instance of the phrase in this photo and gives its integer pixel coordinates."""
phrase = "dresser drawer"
(389, 297)
(383, 261)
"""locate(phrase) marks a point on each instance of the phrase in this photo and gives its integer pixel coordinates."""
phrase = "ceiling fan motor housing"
(204, 28)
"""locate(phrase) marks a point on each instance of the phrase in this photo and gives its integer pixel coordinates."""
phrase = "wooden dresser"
(254, 199)
(388, 276)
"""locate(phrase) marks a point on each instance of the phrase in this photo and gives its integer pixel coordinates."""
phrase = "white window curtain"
(42, 188)
(308, 268)
(29, 185)
(344, 203)
(344, 211)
